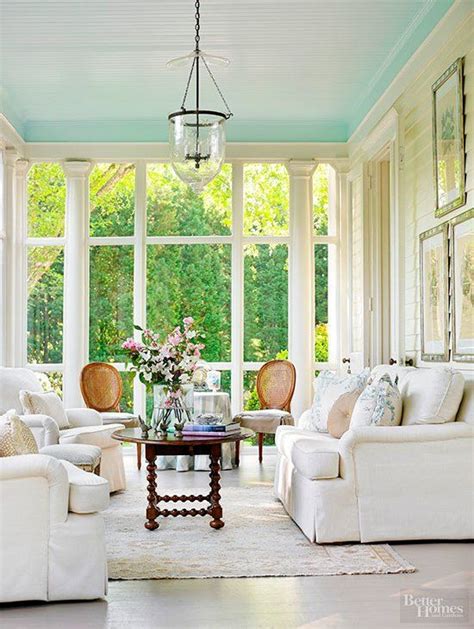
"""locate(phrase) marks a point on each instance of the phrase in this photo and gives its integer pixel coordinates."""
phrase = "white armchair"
(52, 544)
(86, 425)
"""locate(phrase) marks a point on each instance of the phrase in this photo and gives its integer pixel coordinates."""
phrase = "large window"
(325, 238)
(46, 197)
(158, 252)
(111, 266)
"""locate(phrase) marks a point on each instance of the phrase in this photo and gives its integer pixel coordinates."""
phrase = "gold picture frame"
(434, 286)
(448, 139)
(462, 286)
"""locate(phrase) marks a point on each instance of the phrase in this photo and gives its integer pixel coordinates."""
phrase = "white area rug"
(258, 540)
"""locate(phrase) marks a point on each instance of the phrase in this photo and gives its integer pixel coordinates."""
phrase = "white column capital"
(22, 166)
(341, 165)
(301, 168)
(11, 156)
(76, 168)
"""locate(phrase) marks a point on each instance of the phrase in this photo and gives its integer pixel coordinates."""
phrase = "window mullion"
(237, 310)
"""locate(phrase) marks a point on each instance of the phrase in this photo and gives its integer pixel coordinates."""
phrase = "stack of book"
(210, 430)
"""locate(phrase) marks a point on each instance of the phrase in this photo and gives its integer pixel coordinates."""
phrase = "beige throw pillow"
(49, 404)
(339, 417)
(15, 437)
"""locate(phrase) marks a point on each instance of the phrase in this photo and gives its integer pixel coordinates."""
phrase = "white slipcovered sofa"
(86, 425)
(377, 483)
(52, 544)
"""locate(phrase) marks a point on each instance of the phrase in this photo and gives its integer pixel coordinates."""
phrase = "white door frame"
(385, 142)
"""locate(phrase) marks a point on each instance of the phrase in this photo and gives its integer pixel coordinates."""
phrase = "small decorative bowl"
(207, 419)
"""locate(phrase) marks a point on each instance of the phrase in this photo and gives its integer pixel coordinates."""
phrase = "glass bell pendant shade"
(197, 144)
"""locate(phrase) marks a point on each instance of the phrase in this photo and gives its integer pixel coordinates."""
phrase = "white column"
(139, 276)
(301, 284)
(15, 226)
(75, 279)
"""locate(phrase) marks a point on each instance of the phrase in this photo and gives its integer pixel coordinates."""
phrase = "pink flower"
(188, 321)
(175, 338)
(132, 345)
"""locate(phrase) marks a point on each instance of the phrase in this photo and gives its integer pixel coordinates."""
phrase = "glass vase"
(173, 406)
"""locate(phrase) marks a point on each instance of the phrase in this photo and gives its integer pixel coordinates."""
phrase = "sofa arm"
(17, 470)
(45, 430)
(79, 417)
(399, 434)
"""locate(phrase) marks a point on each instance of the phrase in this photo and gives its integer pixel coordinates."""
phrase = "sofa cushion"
(339, 417)
(315, 455)
(45, 403)
(380, 404)
(313, 463)
(15, 436)
(100, 436)
(431, 396)
(466, 409)
(328, 387)
(88, 493)
(12, 381)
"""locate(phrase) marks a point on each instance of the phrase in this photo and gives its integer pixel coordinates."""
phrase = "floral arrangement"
(170, 363)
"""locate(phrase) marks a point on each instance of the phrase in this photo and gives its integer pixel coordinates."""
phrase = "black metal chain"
(197, 39)
(183, 104)
(197, 27)
(229, 113)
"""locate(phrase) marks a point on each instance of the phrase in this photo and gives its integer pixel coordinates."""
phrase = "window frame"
(237, 240)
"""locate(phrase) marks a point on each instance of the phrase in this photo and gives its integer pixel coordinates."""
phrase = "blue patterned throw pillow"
(379, 404)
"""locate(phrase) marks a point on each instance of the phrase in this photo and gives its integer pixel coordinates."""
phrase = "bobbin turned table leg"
(151, 511)
(215, 510)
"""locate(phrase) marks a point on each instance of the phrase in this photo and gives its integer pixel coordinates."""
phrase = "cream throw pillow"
(379, 404)
(339, 417)
(15, 436)
(49, 404)
(328, 387)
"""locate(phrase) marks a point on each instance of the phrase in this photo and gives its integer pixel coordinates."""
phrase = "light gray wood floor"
(360, 601)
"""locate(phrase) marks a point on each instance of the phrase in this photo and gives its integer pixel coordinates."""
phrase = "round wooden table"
(188, 444)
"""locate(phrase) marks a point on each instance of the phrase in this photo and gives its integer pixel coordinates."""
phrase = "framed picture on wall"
(434, 293)
(462, 274)
(448, 139)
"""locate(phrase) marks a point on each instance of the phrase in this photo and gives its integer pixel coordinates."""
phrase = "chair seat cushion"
(126, 419)
(266, 421)
(315, 455)
(100, 436)
(79, 454)
(88, 493)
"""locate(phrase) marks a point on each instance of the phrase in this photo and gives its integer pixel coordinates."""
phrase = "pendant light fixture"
(197, 136)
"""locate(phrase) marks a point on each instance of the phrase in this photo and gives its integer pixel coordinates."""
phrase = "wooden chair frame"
(115, 406)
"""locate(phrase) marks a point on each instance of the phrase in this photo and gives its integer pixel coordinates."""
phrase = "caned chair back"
(276, 382)
(101, 387)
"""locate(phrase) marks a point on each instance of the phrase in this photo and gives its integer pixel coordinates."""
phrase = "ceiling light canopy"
(196, 135)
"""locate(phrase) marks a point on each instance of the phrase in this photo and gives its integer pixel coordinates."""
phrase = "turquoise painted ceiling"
(301, 70)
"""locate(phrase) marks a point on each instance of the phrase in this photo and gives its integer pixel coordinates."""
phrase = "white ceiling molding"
(436, 40)
(10, 137)
(245, 151)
